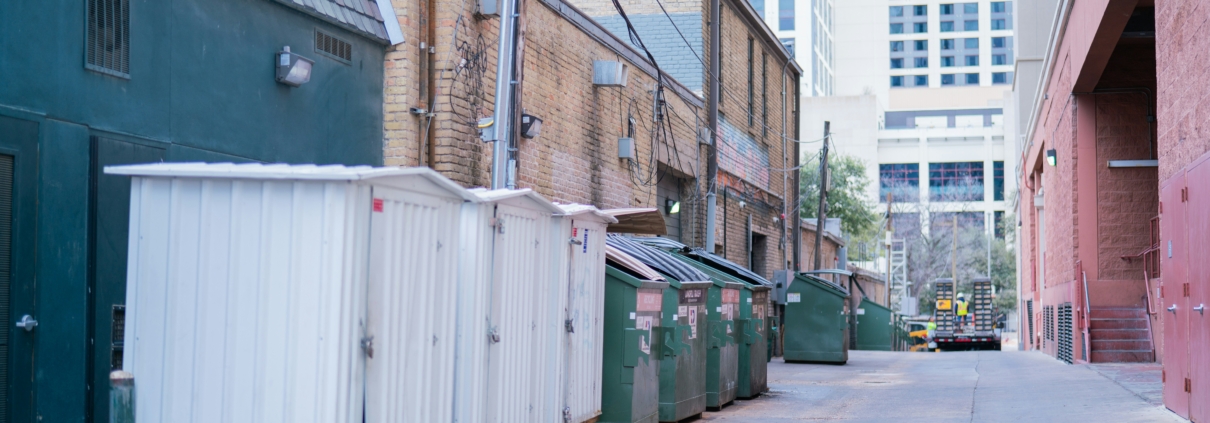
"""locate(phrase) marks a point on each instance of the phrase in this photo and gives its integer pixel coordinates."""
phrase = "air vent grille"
(108, 35)
(333, 47)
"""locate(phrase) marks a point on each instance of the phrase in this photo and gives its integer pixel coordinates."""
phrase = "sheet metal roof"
(657, 259)
(364, 17)
(582, 210)
(635, 265)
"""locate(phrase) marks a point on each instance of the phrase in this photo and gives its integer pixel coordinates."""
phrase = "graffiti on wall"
(740, 154)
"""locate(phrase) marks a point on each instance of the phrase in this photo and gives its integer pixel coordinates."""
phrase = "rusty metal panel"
(1197, 217)
(1174, 267)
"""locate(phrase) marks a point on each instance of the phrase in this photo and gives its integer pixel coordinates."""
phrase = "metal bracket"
(498, 223)
(493, 336)
(575, 241)
(571, 327)
(367, 345)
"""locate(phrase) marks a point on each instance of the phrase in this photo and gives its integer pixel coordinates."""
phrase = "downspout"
(712, 116)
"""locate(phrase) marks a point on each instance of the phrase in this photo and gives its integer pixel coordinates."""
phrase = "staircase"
(1120, 335)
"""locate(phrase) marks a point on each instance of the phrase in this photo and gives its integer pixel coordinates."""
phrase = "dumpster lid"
(657, 259)
(523, 194)
(823, 283)
(647, 221)
(710, 259)
(401, 177)
(583, 211)
(629, 262)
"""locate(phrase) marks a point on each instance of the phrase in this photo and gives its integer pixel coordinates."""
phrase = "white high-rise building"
(805, 28)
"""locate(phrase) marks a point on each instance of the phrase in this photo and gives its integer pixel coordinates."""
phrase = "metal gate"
(1064, 335)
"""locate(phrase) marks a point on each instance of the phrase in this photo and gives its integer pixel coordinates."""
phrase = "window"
(947, 9)
(751, 82)
(896, 11)
(922, 80)
(970, 8)
(921, 45)
(896, 45)
(998, 220)
(972, 60)
(947, 61)
(897, 28)
(1000, 78)
(897, 63)
(972, 79)
(999, 59)
(999, 42)
(759, 6)
(920, 27)
(785, 17)
(947, 44)
(972, 25)
(999, 24)
(947, 26)
(764, 94)
(971, 42)
(922, 62)
(896, 81)
(947, 79)
(788, 43)
(941, 222)
(999, 7)
(961, 181)
(920, 10)
(998, 181)
(108, 37)
(900, 180)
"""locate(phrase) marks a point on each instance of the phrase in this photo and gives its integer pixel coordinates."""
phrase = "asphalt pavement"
(983, 386)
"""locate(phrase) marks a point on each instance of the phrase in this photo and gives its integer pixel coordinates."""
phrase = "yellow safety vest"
(932, 326)
(961, 308)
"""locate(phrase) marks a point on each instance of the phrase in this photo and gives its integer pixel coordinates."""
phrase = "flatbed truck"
(981, 333)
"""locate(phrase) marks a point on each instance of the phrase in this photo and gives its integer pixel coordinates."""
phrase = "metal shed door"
(1173, 267)
(1197, 216)
(18, 176)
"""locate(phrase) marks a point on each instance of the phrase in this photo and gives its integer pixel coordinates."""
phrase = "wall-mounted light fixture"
(531, 126)
(671, 207)
(292, 69)
(1052, 157)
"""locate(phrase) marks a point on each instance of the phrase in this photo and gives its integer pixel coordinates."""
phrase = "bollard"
(121, 397)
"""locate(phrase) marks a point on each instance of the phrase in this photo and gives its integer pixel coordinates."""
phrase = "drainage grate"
(1029, 307)
(1048, 325)
(1064, 335)
(333, 47)
(108, 37)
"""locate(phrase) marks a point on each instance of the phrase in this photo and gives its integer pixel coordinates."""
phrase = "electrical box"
(608, 73)
(489, 8)
(781, 281)
(626, 149)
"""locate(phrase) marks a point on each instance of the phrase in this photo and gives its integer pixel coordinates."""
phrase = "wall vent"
(333, 47)
(609, 73)
(108, 37)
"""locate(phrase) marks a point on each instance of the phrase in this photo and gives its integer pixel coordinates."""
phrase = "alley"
(987, 386)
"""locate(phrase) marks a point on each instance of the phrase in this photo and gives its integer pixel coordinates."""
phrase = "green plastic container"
(683, 364)
(722, 353)
(632, 344)
(874, 329)
(753, 351)
(816, 327)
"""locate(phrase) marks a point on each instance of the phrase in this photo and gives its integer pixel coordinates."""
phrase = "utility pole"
(502, 117)
(890, 234)
(712, 112)
(823, 196)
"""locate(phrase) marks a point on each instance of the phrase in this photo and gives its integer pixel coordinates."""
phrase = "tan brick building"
(441, 81)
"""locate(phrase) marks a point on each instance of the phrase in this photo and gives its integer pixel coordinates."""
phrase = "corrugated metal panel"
(474, 312)
(582, 307)
(412, 307)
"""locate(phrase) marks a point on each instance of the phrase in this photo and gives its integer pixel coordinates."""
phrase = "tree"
(846, 199)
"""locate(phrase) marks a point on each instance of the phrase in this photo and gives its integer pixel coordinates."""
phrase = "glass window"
(947, 26)
(896, 28)
(947, 44)
(920, 27)
(999, 24)
(900, 180)
(922, 80)
(999, 42)
(971, 42)
(947, 61)
(1000, 78)
(920, 10)
(896, 45)
(999, 59)
(947, 9)
(999, 7)
(970, 8)
(896, 11)
(947, 79)
(998, 181)
(972, 25)
(940, 223)
(972, 79)
(788, 43)
(785, 20)
(972, 60)
(998, 220)
(922, 62)
(922, 45)
(759, 6)
(961, 181)
(897, 63)
(896, 81)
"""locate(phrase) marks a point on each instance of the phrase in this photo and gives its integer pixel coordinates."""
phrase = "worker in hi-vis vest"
(932, 328)
(961, 315)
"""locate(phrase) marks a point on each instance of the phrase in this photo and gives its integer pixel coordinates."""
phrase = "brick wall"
(1183, 108)
(1127, 198)
(830, 247)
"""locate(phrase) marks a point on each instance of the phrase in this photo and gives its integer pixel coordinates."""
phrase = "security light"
(671, 207)
(1051, 157)
(531, 126)
(292, 69)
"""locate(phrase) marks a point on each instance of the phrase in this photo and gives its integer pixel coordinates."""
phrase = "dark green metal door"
(18, 179)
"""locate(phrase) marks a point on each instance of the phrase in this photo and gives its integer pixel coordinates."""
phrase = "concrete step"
(1122, 356)
(1119, 334)
(1118, 313)
(1111, 345)
(1118, 323)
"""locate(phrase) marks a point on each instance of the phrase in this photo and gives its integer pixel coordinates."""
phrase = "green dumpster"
(683, 367)
(630, 376)
(753, 360)
(816, 326)
(875, 331)
(722, 354)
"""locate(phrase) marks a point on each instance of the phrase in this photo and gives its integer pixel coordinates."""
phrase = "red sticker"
(573, 232)
(378, 205)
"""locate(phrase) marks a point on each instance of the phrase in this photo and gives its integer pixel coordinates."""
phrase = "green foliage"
(846, 199)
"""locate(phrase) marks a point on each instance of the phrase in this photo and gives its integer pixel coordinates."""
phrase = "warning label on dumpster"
(692, 322)
(649, 300)
(793, 297)
(692, 296)
(731, 296)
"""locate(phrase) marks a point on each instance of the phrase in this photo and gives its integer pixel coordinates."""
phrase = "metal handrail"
(1087, 319)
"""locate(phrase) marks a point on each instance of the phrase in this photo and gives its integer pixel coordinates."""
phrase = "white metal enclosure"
(579, 239)
(256, 292)
(506, 322)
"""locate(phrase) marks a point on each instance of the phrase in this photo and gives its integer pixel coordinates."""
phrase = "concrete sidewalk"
(986, 386)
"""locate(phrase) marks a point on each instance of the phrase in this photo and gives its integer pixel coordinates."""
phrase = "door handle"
(1200, 309)
(1172, 309)
(27, 322)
